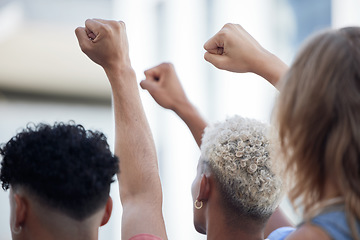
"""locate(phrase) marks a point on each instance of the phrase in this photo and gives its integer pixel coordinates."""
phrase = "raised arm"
(164, 86)
(105, 42)
(234, 49)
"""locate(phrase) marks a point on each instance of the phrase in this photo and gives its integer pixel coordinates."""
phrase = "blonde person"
(318, 117)
(105, 43)
(235, 190)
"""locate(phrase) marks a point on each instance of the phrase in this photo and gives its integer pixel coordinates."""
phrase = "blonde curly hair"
(237, 152)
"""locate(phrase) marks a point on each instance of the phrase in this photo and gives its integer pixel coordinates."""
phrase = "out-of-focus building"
(44, 76)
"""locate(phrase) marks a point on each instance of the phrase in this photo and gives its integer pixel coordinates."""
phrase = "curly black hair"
(66, 167)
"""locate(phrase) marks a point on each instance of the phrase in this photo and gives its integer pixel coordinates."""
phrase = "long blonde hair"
(318, 121)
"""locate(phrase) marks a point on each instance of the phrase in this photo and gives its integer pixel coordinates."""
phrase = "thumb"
(83, 38)
(148, 85)
(215, 59)
(214, 43)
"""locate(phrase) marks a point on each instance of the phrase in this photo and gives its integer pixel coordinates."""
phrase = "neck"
(62, 229)
(49, 224)
(331, 197)
(218, 225)
(214, 233)
(47, 234)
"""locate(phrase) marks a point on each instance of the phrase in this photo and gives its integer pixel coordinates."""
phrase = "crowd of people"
(59, 176)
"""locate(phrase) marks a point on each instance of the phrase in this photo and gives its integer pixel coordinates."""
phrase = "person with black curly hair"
(59, 179)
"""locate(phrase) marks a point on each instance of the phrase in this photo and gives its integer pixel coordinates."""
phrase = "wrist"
(120, 73)
(118, 68)
(183, 108)
(270, 67)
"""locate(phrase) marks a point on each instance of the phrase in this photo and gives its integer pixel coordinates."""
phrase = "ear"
(107, 213)
(20, 210)
(205, 186)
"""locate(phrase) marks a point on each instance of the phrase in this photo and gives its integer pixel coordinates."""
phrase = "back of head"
(318, 116)
(65, 167)
(237, 153)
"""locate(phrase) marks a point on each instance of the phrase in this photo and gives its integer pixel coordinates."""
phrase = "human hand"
(164, 86)
(105, 42)
(234, 49)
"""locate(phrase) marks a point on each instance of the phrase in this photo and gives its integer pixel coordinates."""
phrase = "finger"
(217, 51)
(210, 44)
(213, 44)
(103, 21)
(216, 60)
(90, 34)
(93, 26)
(148, 85)
(83, 38)
(111, 22)
(153, 72)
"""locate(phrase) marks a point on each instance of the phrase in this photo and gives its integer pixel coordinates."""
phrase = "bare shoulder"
(308, 231)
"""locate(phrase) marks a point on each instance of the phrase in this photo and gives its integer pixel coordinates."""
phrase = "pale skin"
(105, 42)
(233, 49)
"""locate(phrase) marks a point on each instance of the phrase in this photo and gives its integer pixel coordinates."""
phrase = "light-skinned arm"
(105, 42)
(164, 86)
(234, 49)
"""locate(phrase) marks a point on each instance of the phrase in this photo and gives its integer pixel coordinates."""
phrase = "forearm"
(189, 114)
(270, 67)
(134, 144)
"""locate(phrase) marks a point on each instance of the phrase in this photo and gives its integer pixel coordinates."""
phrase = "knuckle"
(121, 23)
(228, 25)
(167, 66)
(206, 56)
(223, 33)
(87, 21)
(231, 26)
(107, 29)
(77, 30)
(118, 26)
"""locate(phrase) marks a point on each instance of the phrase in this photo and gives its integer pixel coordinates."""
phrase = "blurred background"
(44, 77)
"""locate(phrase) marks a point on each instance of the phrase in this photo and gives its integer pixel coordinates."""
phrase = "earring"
(16, 231)
(196, 204)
